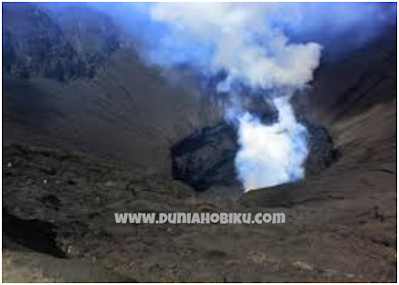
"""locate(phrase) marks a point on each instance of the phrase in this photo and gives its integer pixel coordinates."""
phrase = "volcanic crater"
(90, 129)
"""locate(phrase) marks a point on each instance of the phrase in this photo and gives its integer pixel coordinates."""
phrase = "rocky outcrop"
(206, 158)
(322, 152)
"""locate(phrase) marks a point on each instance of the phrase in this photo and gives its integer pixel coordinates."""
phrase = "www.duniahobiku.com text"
(200, 218)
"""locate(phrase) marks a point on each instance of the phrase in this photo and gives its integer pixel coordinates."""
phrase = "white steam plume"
(271, 155)
(252, 51)
(243, 43)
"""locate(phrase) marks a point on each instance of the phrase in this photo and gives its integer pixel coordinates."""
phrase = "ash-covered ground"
(89, 129)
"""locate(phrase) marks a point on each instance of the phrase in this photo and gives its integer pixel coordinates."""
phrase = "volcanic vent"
(205, 159)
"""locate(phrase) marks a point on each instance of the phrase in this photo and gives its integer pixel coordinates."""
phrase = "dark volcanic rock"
(206, 158)
(38, 41)
(321, 149)
(35, 234)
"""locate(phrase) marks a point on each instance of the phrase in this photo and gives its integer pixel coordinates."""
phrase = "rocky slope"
(81, 143)
(123, 110)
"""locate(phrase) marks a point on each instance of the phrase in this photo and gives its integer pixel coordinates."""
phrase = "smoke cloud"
(240, 43)
(271, 48)
(271, 155)
(253, 52)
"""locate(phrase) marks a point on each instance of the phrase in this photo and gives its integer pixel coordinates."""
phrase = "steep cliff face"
(61, 46)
